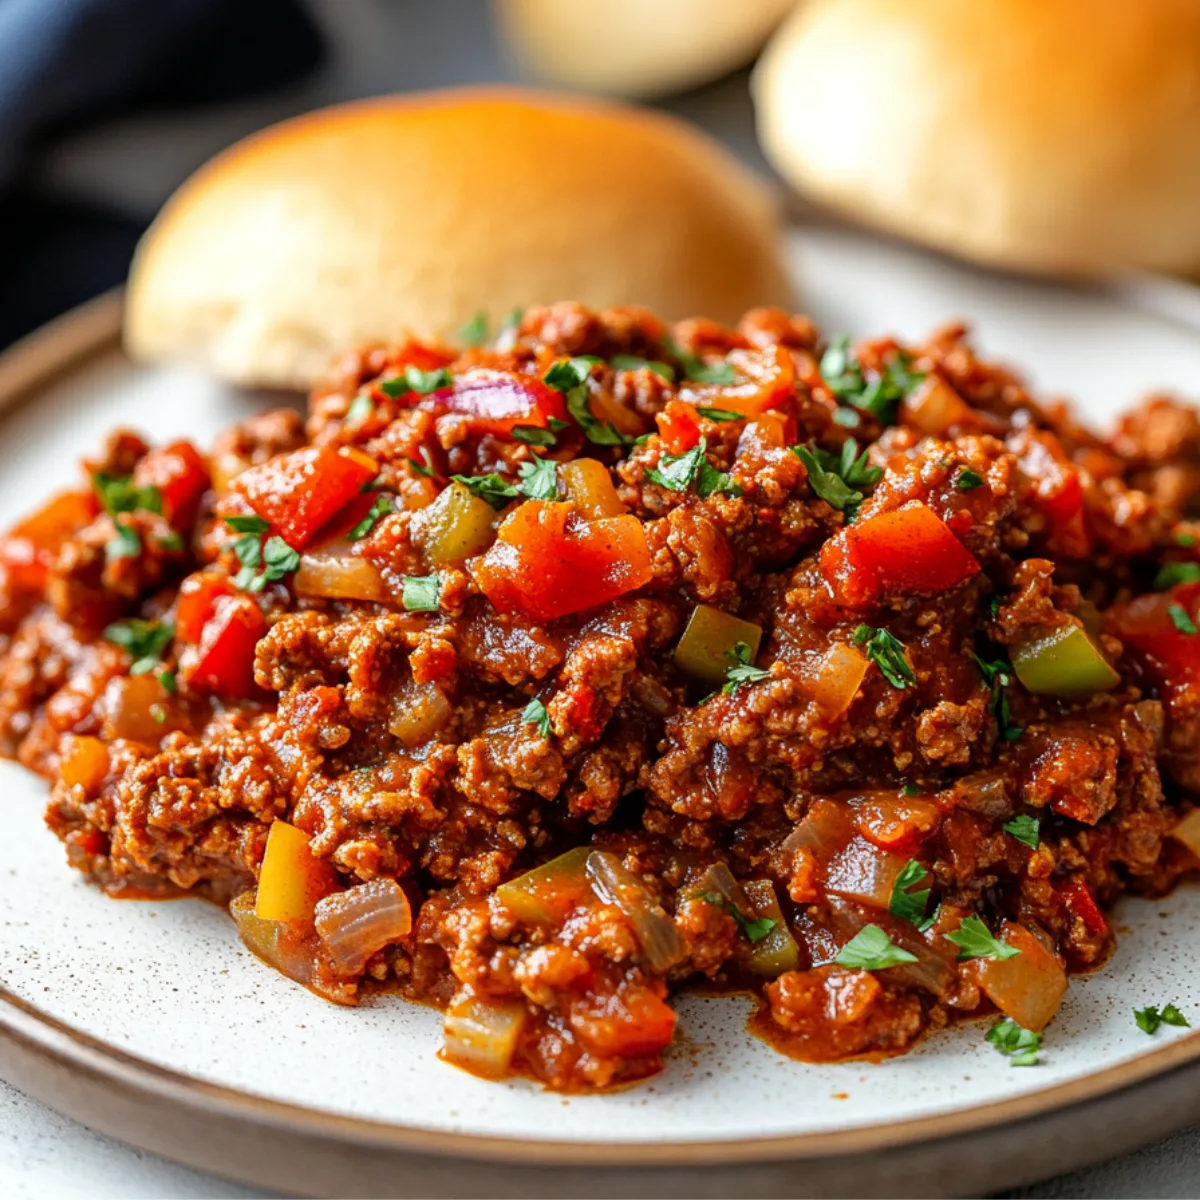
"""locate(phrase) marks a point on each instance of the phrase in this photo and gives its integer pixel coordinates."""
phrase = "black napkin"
(64, 63)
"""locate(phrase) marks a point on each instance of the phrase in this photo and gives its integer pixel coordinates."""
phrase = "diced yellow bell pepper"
(455, 526)
(777, 952)
(1065, 662)
(292, 879)
(589, 487)
(708, 641)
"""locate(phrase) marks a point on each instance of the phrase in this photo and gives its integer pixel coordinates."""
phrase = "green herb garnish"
(870, 949)
(143, 641)
(475, 331)
(276, 558)
(1024, 828)
(998, 676)
(533, 435)
(1180, 619)
(1019, 1044)
(1178, 572)
(361, 407)
(118, 494)
(535, 714)
(741, 669)
(677, 473)
(887, 653)
(539, 478)
(719, 414)
(975, 940)
(967, 480)
(413, 379)
(837, 479)
(630, 362)
(421, 593)
(493, 488)
(1151, 1017)
(570, 377)
(380, 508)
(880, 395)
(125, 542)
(905, 903)
(753, 929)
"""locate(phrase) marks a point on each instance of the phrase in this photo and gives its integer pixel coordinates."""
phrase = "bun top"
(635, 48)
(1059, 136)
(369, 221)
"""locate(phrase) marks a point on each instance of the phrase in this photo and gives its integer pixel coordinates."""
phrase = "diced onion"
(1188, 831)
(354, 924)
(833, 681)
(826, 824)
(333, 570)
(935, 407)
(481, 1035)
(1028, 987)
(861, 871)
(419, 711)
(656, 931)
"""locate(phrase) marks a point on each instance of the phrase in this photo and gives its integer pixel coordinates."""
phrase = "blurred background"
(106, 106)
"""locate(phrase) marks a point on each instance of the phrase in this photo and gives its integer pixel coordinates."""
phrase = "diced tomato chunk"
(547, 561)
(224, 663)
(626, 1023)
(1170, 657)
(197, 598)
(910, 550)
(766, 379)
(29, 549)
(498, 401)
(181, 476)
(1078, 898)
(297, 493)
(678, 427)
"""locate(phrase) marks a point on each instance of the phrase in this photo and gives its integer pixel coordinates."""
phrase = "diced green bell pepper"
(544, 895)
(1066, 662)
(777, 952)
(709, 640)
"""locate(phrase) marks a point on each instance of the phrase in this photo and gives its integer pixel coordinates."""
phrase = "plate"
(151, 1022)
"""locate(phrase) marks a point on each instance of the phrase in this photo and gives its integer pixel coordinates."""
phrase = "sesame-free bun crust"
(1058, 136)
(370, 221)
(636, 48)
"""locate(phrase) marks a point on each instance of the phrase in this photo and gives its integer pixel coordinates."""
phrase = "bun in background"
(368, 221)
(1056, 136)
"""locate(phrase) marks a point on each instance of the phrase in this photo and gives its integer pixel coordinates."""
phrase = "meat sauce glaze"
(535, 680)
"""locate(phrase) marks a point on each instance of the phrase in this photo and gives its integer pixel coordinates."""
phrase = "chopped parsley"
(118, 494)
(879, 395)
(276, 558)
(975, 940)
(143, 641)
(513, 320)
(677, 473)
(125, 542)
(911, 789)
(1024, 828)
(695, 368)
(424, 467)
(246, 524)
(837, 479)
(570, 377)
(907, 904)
(535, 714)
(413, 379)
(753, 929)
(421, 593)
(741, 669)
(167, 679)
(1185, 539)
(630, 362)
(491, 487)
(967, 480)
(475, 331)
(1180, 619)
(539, 478)
(382, 506)
(719, 414)
(533, 435)
(1021, 1045)
(361, 407)
(1151, 1017)
(1176, 572)
(998, 675)
(870, 949)
(887, 653)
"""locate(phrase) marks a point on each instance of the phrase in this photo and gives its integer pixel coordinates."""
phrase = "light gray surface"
(380, 46)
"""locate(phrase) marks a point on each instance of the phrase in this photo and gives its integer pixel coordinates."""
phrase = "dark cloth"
(64, 63)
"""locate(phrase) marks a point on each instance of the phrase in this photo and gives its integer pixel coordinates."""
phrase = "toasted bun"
(1058, 136)
(633, 48)
(368, 221)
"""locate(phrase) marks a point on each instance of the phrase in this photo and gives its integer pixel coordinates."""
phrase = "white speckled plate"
(150, 1020)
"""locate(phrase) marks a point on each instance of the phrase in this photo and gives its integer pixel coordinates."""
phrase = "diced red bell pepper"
(181, 476)
(297, 493)
(198, 596)
(910, 550)
(630, 1021)
(766, 379)
(498, 401)
(678, 427)
(29, 549)
(1170, 657)
(1080, 902)
(224, 662)
(547, 561)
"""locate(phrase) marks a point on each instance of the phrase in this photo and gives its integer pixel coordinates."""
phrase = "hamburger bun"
(1055, 136)
(369, 221)
(633, 48)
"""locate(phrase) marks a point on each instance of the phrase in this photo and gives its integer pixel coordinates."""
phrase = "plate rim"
(95, 327)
